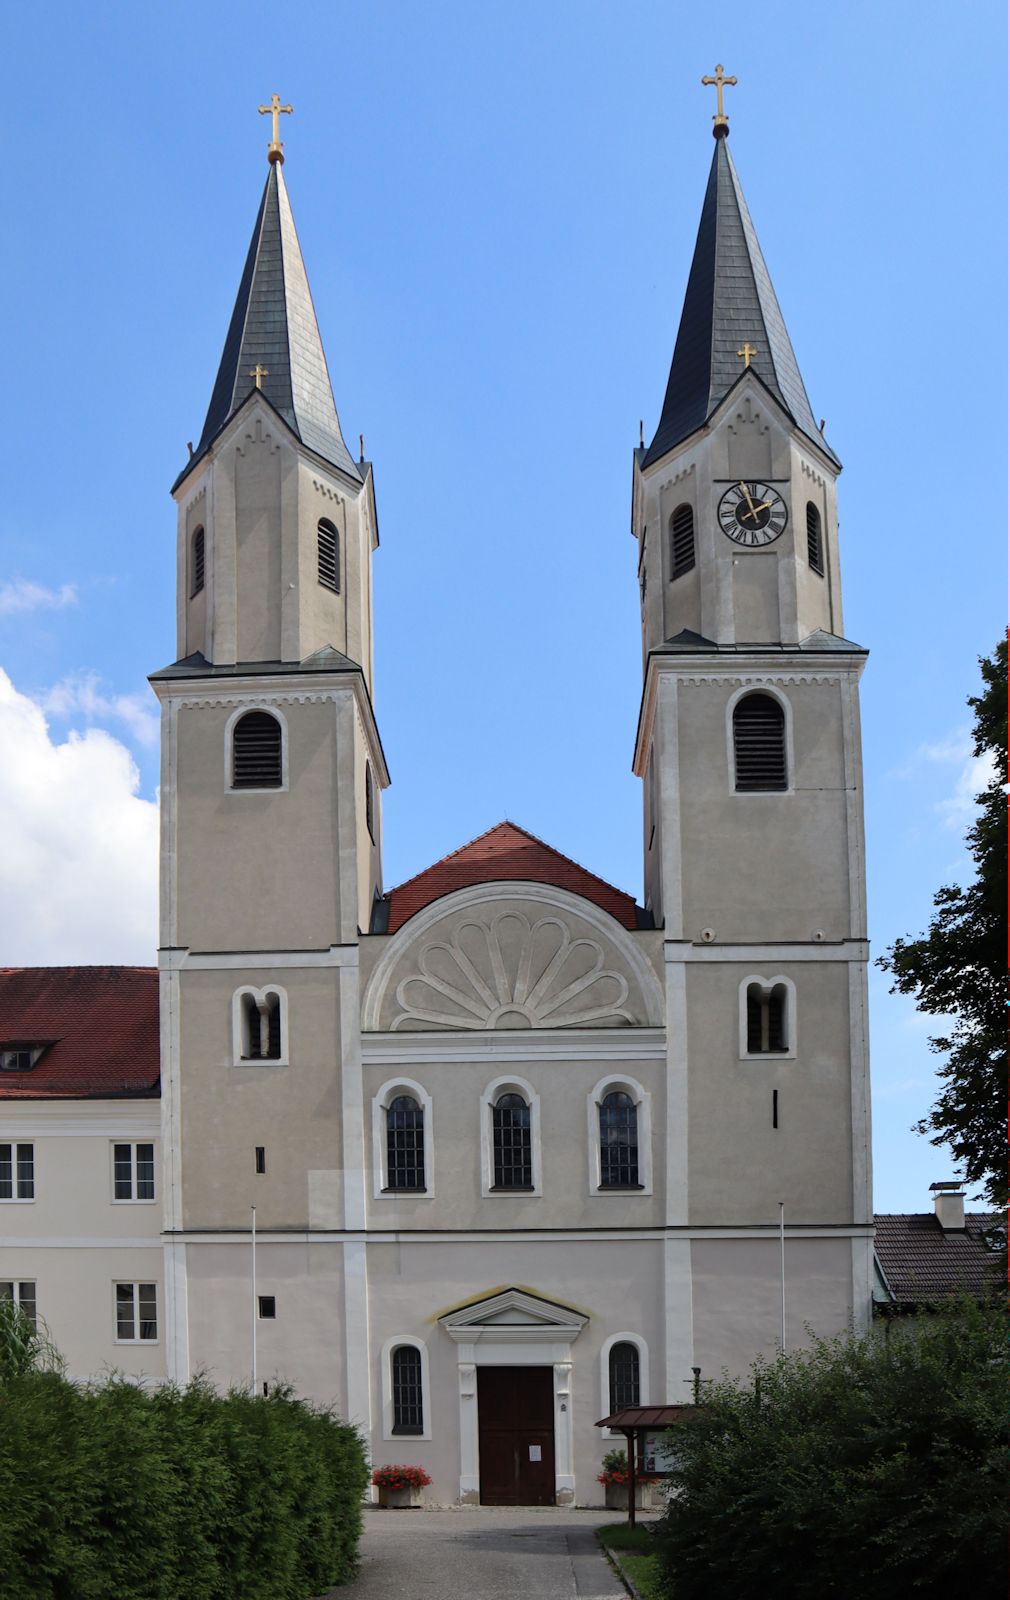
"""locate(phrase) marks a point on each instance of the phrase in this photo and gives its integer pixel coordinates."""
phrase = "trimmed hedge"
(173, 1494)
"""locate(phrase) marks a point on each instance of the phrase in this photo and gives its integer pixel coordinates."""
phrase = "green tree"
(957, 969)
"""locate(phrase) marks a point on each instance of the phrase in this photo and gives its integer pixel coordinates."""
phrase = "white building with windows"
(516, 1144)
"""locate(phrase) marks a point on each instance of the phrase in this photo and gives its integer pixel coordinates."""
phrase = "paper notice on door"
(535, 1452)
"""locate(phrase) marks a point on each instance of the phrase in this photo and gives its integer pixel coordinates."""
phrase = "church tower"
(749, 751)
(272, 772)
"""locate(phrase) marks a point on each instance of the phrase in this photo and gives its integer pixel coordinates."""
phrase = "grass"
(632, 1550)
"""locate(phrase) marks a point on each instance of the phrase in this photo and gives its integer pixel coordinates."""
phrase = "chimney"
(948, 1199)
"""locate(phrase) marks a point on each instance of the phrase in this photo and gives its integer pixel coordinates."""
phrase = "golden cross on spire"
(747, 353)
(258, 373)
(275, 150)
(720, 122)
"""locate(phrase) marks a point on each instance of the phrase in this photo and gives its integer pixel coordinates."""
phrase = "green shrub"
(173, 1494)
(865, 1466)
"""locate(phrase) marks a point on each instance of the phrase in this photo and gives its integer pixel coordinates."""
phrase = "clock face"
(752, 513)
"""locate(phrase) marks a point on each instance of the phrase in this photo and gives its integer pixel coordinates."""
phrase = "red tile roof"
(922, 1261)
(101, 1024)
(506, 854)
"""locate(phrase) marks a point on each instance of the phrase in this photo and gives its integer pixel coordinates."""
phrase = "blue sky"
(497, 206)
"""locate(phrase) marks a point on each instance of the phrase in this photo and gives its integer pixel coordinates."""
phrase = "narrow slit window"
(405, 1144)
(625, 1376)
(513, 1145)
(197, 551)
(260, 1159)
(618, 1141)
(267, 1307)
(329, 555)
(681, 541)
(815, 541)
(408, 1405)
(759, 744)
(257, 752)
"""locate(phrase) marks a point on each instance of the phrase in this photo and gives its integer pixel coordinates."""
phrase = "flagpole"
(782, 1274)
(253, 1308)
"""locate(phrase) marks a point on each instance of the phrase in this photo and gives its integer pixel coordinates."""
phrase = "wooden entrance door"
(516, 1426)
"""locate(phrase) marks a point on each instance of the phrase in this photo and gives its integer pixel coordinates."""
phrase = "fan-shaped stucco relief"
(510, 957)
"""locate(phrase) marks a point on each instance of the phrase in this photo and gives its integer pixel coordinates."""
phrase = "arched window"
(767, 1019)
(261, 1026)
(257, 752)
(625, 1381)
(369, 801)
(408, 1402)
(681, 541)
(618, 1141)
(759, 743)
(513, 1148)
(404, 1144)
(196, 562)
(329, 555)
(815, 543)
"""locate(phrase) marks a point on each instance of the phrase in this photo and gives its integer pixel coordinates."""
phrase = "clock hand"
(746, 495)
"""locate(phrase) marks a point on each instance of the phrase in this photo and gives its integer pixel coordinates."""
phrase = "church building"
(484, 1156)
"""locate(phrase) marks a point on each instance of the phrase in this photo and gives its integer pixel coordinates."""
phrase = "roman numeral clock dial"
(752, 514)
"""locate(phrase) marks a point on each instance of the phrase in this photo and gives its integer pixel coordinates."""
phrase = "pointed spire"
(731, 320)
(273, 341)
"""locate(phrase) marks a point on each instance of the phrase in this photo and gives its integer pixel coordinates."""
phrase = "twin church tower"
(519, 1148)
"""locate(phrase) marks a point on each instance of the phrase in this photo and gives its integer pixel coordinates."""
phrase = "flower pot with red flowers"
(400, 1487)
(614, 1478)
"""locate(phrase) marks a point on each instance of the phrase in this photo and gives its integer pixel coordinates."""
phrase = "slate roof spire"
(729, 303)
(273, 329)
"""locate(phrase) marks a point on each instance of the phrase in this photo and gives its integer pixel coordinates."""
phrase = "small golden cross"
(747, 352)
(719, 120)
(275, 150)
(258, 373)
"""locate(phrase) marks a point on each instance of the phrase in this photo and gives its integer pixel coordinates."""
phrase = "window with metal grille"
(256, 752)
(22, 1292)
(681, 541)
(815, 543)
(513, 1146)
(261, 1027)
(196, 562)
(329, 555)
(618, 1141)
(408, 1406)
(625, 1383)
(133, 1171)
(767, 1019)
(17, 1172)
(136, 1312)
(404, 1144)
(759, 743)
(369, 801)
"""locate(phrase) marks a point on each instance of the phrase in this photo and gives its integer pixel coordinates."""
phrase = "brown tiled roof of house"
(99, 1025)
(922, 1261)
(507, 854)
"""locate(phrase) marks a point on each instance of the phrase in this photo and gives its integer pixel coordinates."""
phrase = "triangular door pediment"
(513, 1314)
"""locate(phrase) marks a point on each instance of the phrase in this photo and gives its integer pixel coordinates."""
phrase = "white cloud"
(21, 594)
(79, 854)
(958, 808)
(81, 692)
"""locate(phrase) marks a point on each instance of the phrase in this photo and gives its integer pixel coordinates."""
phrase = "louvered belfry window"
(682, 541)
(404, 1144)
(625, 1382)
(513, 1147)
(256, 752)
(329, 555)
(618, 1141)
(759, 743)
(408, 1404)
(815, 542)
(197, 562)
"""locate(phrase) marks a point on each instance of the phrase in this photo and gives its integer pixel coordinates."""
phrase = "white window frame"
(229, 752)
(134, 1199)
(643, 1106)
(21, 1199)
(773, 693)
(238, 1025)
(134, 1284)
(380, 1105)
(766, 982)
(643, 1375)
(16, 1286)
(387, 1388)
(500, 1086)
